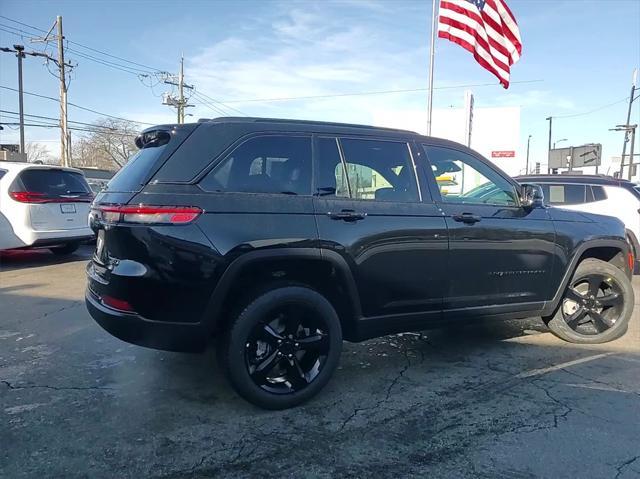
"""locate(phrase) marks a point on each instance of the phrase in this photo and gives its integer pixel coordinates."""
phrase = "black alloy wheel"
(593, 303)
(287, 351)
(282, 347)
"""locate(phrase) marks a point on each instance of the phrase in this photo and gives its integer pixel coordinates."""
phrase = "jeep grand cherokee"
(280, 238)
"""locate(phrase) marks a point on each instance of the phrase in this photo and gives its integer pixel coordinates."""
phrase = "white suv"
(595, 194)
(43, 206)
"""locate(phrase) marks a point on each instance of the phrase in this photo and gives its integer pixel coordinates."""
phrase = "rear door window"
(331, 178)
(598, 192)
(54, 183)
(567, 194)
(378, 170)
(2, 173)
(275, 164)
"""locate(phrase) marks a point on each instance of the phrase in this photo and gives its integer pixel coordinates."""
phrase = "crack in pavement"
(380, 402)
(56, 388)
(620, 469)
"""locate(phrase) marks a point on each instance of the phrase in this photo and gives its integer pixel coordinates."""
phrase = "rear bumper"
(46, 238)
(135, 329)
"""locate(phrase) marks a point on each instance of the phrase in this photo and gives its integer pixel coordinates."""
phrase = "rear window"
(133, 175)
(54, 182)
(157, 145)
(276, 164)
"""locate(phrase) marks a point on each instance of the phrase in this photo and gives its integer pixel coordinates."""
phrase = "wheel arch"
(612, 251)
(324, 271)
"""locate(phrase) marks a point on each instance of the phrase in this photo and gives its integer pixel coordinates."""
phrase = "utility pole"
(20, 54)
(64, 132)
(628, 129)
(550, 120)
(179, 103)
(65, 147)
(526, 172)
(626, 135)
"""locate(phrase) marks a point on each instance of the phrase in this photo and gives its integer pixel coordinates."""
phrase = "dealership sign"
(503, 154)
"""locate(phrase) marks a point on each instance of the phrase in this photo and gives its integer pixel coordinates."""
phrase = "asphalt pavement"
(498, 400)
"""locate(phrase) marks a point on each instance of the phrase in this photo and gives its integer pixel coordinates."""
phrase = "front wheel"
(283, 347)
(597, 305)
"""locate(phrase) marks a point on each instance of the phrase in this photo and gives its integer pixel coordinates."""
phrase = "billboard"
(576, 156)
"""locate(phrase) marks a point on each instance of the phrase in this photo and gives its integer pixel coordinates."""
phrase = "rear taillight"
(36, 197)
(119, 304)
(148, 214)
(28, 197)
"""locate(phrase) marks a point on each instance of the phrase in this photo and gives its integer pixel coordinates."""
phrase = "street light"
(558, 141)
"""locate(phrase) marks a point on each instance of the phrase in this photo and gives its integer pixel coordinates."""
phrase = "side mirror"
(531, 196)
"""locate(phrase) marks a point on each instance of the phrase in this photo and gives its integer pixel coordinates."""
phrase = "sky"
(577, 63)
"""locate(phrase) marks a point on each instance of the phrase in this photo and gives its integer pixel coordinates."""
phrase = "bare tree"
(37, 153)
(108, 146)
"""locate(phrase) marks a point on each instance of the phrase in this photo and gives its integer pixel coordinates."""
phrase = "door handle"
(467, 218)
(346, 215)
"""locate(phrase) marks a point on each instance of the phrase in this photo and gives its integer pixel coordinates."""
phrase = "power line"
(95, 50)
(364, 93)
(132, 70)
(573, 115)
(55, 125)
(212, 106)
(79, 107)
(204, 97)
(56, 119)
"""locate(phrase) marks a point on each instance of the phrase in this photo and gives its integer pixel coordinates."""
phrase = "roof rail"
(303, 122)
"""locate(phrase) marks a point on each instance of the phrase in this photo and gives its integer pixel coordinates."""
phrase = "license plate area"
(67, 208)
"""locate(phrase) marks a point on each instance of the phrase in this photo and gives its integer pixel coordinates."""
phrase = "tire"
(251, 353)
(606, 313)
(65, 249)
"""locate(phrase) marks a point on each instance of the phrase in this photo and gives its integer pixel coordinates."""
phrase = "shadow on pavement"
(11, 260)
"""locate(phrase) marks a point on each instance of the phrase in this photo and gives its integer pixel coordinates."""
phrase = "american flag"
(487, 29)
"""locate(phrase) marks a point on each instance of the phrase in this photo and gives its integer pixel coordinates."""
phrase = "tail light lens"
(148, 214)
(119, 304)
(36, 197)
(28, 197)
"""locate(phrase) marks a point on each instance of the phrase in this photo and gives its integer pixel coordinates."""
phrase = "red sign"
(503, 154)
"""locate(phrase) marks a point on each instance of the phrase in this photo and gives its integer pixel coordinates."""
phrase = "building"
(495, 131)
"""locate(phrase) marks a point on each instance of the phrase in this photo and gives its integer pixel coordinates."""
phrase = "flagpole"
(434, 32)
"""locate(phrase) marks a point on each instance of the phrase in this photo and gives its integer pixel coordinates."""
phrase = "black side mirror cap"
(531, 196)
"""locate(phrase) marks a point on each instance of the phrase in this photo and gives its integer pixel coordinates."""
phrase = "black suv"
(281, 238)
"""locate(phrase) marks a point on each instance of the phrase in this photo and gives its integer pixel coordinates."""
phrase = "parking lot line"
(541, 371)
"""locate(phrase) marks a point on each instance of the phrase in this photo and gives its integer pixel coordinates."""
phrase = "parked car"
(43, 207)
(280, 238)
(595, 194)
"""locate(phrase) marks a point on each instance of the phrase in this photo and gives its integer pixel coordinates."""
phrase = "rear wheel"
(283, 347)
(596, 306)
(65, 249)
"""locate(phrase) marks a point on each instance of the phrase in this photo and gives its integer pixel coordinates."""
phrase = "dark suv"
(281, 238)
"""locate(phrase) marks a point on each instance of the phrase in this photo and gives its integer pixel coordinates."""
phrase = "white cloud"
(307, 53)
